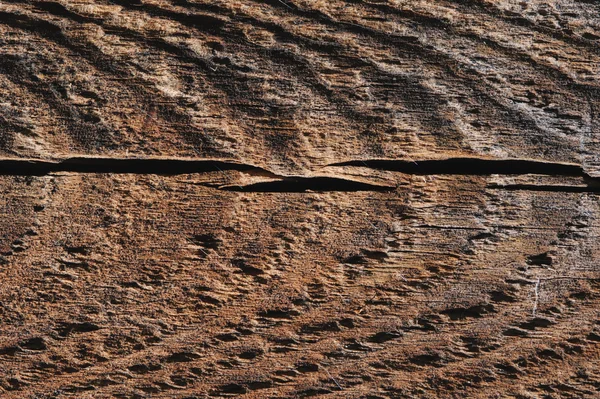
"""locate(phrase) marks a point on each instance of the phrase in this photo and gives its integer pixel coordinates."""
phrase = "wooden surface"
(279, 199)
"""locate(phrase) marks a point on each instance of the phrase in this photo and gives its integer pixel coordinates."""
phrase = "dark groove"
(443, 26)
(341, 102)
(302, 67)
(170, 167)
(202, 22)
(517, 20)
(471, 166)
(411, 45)
(25, 167)
(84, 132)
(88, 51)
(421, 95)
(546, 188)
(303, 184)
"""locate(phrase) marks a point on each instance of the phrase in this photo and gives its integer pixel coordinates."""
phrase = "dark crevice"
(26, 167)
(298, 184)
(303, 184)
(482, 167)
(471, 166)
(547, 188)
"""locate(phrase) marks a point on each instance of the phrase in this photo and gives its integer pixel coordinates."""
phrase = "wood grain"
(279, 199)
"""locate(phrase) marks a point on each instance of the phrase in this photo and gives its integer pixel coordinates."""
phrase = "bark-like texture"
(273, 199)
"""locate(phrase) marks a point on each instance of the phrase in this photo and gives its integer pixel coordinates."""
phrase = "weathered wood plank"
(293, 86)
(353, 199)
(193, 288)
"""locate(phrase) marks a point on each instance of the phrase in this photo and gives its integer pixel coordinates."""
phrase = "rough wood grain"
(277, 199)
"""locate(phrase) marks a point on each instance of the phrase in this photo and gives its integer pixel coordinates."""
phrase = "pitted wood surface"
(278, 199)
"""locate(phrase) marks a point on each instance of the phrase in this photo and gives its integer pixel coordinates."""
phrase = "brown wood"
(278, 199)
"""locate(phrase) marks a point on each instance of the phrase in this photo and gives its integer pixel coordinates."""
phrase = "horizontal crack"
(470, 166)
(303, 184)
(175, 166)
(483, 166)
(546, 187)
(28, 167)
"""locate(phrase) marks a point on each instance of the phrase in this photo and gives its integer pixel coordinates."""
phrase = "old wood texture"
(292, 198)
